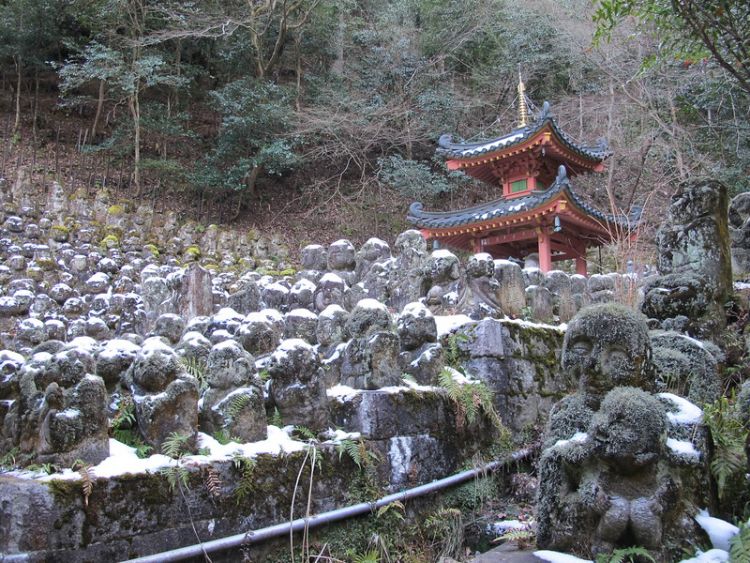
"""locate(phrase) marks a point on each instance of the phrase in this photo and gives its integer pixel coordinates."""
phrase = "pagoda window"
(519, 186)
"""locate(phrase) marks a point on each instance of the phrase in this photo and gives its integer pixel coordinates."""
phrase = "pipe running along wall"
(263, 534)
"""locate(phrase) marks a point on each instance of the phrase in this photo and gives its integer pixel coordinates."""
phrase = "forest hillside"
(317, 119)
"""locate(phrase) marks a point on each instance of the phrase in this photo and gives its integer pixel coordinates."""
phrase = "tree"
(253, 138)
(690, 29)
(124, 64)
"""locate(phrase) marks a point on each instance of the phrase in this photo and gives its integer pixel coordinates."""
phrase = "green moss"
(153, 249)
(109, 241)
(115, 210)
(193, 252)
(60, 229)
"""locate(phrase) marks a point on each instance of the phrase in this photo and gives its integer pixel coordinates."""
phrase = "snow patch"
(719, 532)
(687, 413)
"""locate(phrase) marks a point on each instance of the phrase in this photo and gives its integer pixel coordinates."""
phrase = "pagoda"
(538, 211)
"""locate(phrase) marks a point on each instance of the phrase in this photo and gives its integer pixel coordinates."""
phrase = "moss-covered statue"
(619, 467)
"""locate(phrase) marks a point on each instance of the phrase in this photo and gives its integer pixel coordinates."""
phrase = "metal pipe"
(262, 534)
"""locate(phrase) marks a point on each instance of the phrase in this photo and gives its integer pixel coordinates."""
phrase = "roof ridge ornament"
(523, 110)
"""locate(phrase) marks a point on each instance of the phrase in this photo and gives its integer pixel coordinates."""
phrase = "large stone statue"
(694, 262)
(619, 468)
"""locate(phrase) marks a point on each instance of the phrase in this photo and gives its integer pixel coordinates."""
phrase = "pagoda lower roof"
(450, 150)
(508, 207)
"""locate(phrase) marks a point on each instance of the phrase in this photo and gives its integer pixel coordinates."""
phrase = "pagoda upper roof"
(503, 207)
(468, 151)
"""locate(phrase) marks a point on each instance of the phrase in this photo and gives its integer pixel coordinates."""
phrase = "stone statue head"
(607, 346)
(444, 267)
(630, 428)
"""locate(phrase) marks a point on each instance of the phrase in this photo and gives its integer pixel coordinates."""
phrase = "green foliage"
(123, 428)
(304, 433)
(729, 436)
(415, 179)
(222, 436)
(276, 419)
(253, 137)
(8, 459)
(453, 354)
(365, 484)
(522, 538)
(237, 404)
(176, 476)
(245, 466)
(177, 445)
(739, 549)
(446, 528)
(632, 554)
(197, 368)
(470, 399)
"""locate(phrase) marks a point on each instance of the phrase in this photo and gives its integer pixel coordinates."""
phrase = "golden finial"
(523, 110)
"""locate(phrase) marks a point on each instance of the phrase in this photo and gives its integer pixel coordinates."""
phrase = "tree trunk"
(35, 112)
(19, 75)
(99, 107)
(337, 67)
(252, 178)
(135, 112)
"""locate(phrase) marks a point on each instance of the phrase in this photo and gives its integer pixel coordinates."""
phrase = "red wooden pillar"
(545, 249)
(581, 266)
(581, 262)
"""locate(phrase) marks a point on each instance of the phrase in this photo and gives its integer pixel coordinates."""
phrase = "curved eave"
(503, 213)
(462, 156)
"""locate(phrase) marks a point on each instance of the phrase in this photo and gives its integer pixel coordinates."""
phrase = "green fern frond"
(370, 556)
(632, 554)
(246, 468)
(305, 433)
(176, 475)
(740, 544)
(237, 404)
(176, 445)
(276, 419)
(197, 368)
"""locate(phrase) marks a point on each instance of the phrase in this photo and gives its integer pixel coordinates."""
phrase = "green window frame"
(519, 186)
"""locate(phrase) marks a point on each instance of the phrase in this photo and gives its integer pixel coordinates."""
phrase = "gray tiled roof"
(506, 207)
(450, 150)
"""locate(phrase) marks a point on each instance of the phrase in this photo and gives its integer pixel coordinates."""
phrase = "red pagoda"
(538, 211)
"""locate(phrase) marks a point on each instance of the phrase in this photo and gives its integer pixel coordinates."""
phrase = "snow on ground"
(710, 556)
(342, 392)
(683, 448)
(449, 323)
(578, 438)
(719, 532)
(504, 526)
(562, 327)
(556, 557)
(687, 413)
(123, 459)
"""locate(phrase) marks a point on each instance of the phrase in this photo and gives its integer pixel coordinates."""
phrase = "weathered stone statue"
(233, 402)
(617, 469)
(165, 395)
(695, 262)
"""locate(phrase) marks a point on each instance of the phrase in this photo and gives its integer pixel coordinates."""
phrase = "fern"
(197, 368)
(522, 538)
(740, 544)
(729, 436)
(470, 400)
(213, 482)
(125, 415)
(87, 478)
(276, 419)
(176, 445)
(632, 554)
(176, 475)
(237, 404)
(371, 556)
(305, 433)
(223, 437)
(8, 460)
(453, 351)
(246, 467)
(396, 508)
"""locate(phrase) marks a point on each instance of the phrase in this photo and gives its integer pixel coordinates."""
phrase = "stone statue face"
(605, 347)
(630, 428)
(444, 267)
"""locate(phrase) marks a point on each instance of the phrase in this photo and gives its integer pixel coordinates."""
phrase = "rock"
(367, 317)
(114, 359)
(165, 395)
(314, 257)
(341, 256)
(416, 326)
(233, 401)
(258, 334)
(194, 298)
(329, 291)
(301, 323)
(297, 385)
(170, 326)
(539, 303)
(511, 293)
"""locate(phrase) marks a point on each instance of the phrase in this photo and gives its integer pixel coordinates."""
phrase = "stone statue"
(614, 471)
